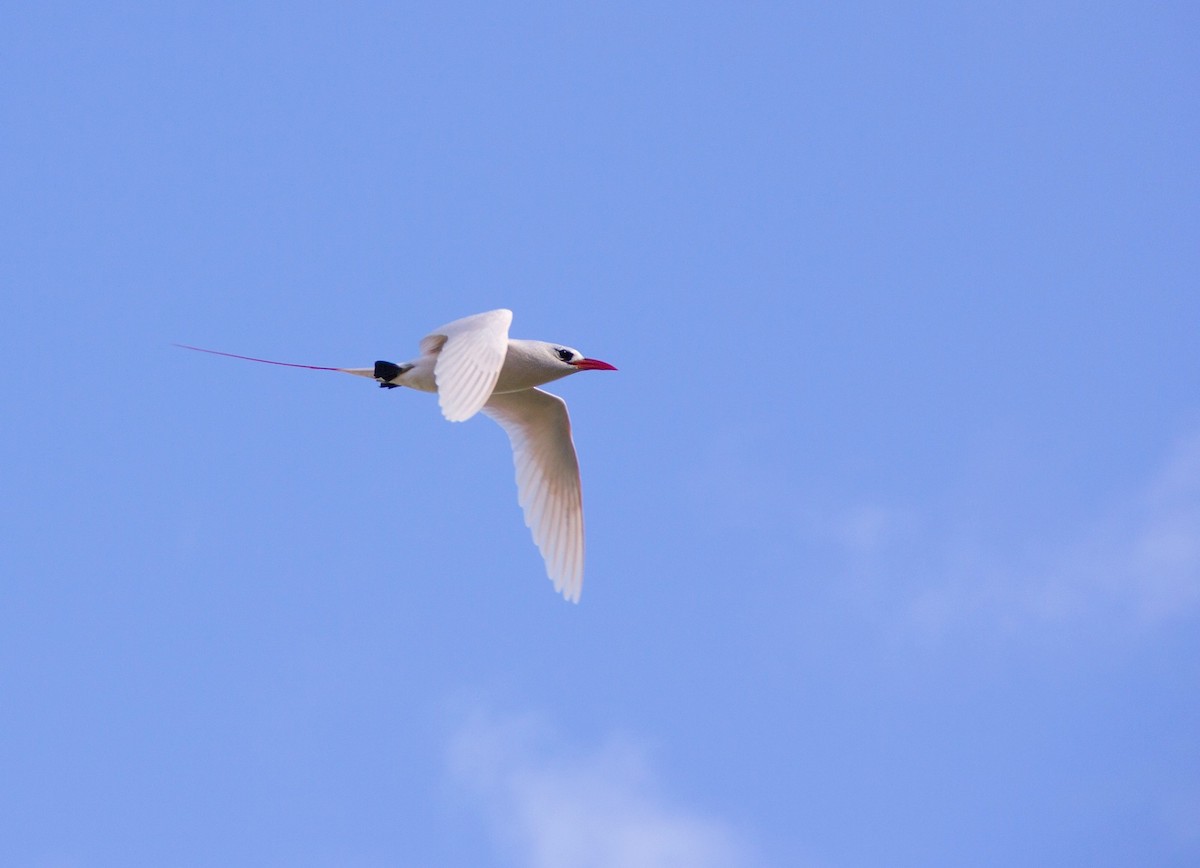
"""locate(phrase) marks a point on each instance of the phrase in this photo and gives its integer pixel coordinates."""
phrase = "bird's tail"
(370, 373)
(386, 373)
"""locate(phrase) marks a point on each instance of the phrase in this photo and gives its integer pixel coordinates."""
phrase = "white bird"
(473, 365)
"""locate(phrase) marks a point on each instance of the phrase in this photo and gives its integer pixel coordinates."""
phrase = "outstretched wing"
(547, 480)
(470, 352)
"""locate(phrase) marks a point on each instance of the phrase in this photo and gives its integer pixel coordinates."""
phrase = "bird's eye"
(565, 355)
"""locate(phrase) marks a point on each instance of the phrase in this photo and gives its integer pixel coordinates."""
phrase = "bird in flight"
(474, 366)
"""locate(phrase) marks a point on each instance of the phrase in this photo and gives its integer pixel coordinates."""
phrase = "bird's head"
(575, 361)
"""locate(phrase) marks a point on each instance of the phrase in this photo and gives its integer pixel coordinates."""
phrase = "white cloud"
(1142, 561)
(1136, 566)
(965, 558)
(1164, 558)
(555, 807)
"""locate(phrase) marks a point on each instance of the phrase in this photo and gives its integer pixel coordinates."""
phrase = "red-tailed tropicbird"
(474, 366)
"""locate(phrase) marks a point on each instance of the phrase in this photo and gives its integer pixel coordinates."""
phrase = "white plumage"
(473, 365)
(547, 480)
(468, 354)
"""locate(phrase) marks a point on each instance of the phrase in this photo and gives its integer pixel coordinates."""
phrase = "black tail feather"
(387, 371)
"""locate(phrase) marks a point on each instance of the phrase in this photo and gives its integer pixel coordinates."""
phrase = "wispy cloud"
(1164, 557)
(1137, 565)
(557, 806)
(936, 563)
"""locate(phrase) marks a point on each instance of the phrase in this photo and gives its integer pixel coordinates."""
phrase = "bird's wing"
(470, 352)
(547, 480)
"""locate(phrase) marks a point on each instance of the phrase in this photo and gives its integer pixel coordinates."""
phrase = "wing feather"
(547, 472)
(470, 353)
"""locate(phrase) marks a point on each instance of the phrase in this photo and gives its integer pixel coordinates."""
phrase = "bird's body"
(523, 368)
(474, 366)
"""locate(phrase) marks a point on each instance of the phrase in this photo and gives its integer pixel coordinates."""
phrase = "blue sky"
(893, 507)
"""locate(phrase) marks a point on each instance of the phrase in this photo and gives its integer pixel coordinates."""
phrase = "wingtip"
(455, 414)
(570, 590)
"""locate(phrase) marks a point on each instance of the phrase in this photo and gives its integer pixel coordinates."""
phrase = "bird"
(475, 367)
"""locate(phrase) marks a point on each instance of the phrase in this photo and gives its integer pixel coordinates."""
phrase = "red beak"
(593, 365)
